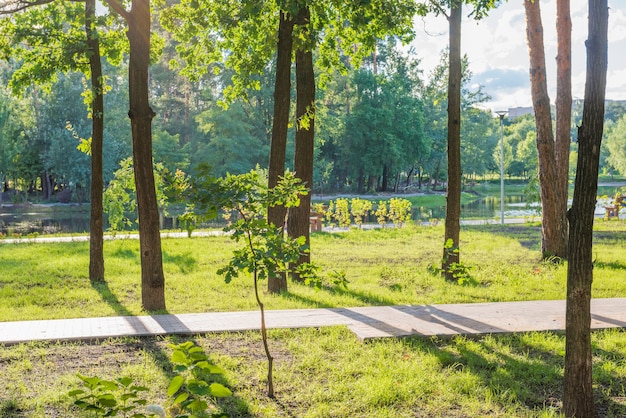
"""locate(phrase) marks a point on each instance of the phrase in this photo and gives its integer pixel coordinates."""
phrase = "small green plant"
(108, 398)
(399, 211)
(338, 279)
(329, 213)
(381, 213)
(342, 213)
(194, 382)
(457, 270)
(360, 209)
(192, 391)
(394, 279)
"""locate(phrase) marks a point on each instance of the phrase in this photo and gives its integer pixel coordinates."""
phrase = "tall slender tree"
(578, 380)
(553, 158)
(277, 283)
(453, 195)
(96, 227)
(298, 219)
(66, 61)
(451, 250)
(141, 115)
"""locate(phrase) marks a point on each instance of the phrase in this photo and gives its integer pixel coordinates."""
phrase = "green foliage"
(120, 202)
(192, 391)
(616, 145)
(194, 382)
(342, 212)
(399, 211)
(381, 213)
(360, 209)
(108, 398)
(460, 271)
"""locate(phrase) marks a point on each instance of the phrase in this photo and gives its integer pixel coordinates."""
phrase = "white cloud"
(498, 51)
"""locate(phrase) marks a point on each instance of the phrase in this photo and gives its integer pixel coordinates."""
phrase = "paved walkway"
(365, 322)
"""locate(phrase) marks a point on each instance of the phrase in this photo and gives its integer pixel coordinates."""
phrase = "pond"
(43, 219)
(483, 209)
(74, 218)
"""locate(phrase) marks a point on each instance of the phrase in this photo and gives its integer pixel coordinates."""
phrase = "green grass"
(325, 372)
(384, 267)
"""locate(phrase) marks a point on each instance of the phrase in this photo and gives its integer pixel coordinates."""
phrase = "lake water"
(74, 219)
(486, 209)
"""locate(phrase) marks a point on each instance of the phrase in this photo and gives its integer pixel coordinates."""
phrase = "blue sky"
(498, 51)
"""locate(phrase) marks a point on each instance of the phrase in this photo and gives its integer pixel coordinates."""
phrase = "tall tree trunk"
(298, 220)
(385, 178)
(577, 381)
(554, 220)
(280, 123)
(140, 113)
(96, 247)
(563, 99)
(453, 197)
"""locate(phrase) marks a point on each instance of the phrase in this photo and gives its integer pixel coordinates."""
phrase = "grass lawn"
(326, 372)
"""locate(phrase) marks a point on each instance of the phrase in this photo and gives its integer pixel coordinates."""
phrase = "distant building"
(516, 112)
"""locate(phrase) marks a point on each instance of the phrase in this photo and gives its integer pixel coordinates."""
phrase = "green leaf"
(179, 357)
(219, 390)
(198, 387)
(180, 398)
(76, 392)
(175, 384)
(107, 400)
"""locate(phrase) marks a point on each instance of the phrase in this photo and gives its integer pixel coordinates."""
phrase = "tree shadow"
(125, 253)
(176, 330)
(513, 369)
(110, 298)
(366, 298)
(309, 302)
(185, 262)
(612, 265)
(528, 236)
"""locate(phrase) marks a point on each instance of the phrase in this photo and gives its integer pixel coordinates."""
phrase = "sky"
(498, 51)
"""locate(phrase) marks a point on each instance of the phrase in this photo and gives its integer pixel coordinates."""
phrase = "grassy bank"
(384, 267)
(327, 372)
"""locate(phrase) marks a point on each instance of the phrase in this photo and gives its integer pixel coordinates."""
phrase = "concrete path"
(365, 322)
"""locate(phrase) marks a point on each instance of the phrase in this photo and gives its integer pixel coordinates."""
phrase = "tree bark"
(280, 123)
(453, 196)
(96, 232)
(298, 220)
(554, 220)
(563, 101)
(577, 380)
(140, 113)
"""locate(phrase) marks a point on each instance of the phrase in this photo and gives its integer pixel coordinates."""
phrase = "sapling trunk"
(270, 359)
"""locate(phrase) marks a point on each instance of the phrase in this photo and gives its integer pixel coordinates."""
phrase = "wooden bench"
(315, 221)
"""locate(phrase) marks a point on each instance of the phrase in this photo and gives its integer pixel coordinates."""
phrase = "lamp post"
(501, 114)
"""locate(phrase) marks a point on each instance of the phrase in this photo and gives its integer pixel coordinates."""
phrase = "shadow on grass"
(126, 253)
(613, 265)
(365, 298)
(185, 262)
(515, 372)
(110, 298)
(361, 298)
(178, 332)
(232, 405)
(529, 236)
